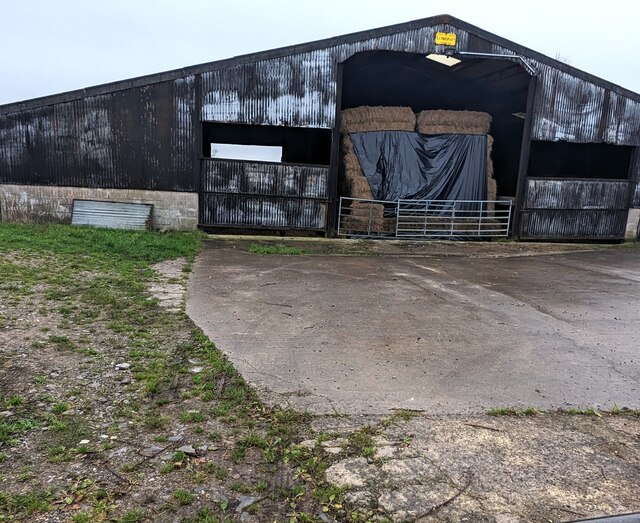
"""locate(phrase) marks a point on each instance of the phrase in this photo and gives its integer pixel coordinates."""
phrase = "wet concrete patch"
(447, 335)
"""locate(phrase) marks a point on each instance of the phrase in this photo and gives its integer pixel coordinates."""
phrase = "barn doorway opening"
(496, 87)
(268, 143)
(466, 96)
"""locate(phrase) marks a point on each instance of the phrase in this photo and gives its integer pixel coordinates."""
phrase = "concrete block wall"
(633, 225)
(47, 204)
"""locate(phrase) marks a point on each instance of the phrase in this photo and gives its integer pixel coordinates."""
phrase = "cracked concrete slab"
(548, 467)
(366, 334)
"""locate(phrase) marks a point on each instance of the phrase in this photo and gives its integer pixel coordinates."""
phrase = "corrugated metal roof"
(111, 215)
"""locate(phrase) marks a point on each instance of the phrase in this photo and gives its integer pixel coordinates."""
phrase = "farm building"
(432, 128)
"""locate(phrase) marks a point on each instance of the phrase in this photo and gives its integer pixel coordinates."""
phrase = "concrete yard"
(445, 329)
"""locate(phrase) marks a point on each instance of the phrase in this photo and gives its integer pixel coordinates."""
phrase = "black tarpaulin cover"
(402, 164)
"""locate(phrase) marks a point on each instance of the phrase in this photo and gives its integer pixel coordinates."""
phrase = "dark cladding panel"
(575, 209)
(262, 212)
(232, 176)
(622, 126)
(576, 194)
(131, 139)
(263, 195)
(139, 133)
(550, 224)
(296, 90)
(567, 108)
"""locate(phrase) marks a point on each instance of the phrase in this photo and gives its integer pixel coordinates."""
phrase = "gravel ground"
(114, 407)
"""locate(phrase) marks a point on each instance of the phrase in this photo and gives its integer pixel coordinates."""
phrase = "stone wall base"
(50, 204)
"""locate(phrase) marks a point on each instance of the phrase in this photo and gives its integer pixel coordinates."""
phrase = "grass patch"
(26, 503)
(193, 417)
(94, 284)
(62, 342)
(513, 411)
(133, 516)
(286, 250)
(624, 411)
(183, 497)
(103, 243)
(580, 412)
(11, 430)
(360, 442)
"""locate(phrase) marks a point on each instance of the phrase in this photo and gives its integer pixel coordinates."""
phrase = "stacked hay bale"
(356, 184)
(462, 122)
(453, 122)
(368, 216)
(364, 119)
(492, 187)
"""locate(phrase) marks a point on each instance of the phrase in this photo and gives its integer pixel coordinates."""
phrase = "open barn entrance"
(471, 97)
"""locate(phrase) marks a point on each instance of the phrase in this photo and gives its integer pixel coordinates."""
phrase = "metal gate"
(424, 219)
(261, 195)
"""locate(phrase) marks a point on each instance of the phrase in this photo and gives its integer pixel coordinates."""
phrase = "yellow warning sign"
(446, 39)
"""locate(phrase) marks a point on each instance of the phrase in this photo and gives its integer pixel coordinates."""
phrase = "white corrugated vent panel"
(111, 215)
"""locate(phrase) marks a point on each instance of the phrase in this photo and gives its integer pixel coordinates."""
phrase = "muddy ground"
(116, 408)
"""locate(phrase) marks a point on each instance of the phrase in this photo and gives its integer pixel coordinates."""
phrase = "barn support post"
(198, 146)
(632, 231)
(523, 165)
(334, 162)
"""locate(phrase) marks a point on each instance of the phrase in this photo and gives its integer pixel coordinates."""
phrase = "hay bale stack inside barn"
(364, 216)
(462, 122)
(355, 184)
(365, 119)
(453, 122)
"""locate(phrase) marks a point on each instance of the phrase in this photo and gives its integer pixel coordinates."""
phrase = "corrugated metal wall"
(263, 195)
(141, 138)
(572, 209)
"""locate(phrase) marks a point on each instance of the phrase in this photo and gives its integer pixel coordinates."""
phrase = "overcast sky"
(51, 46)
